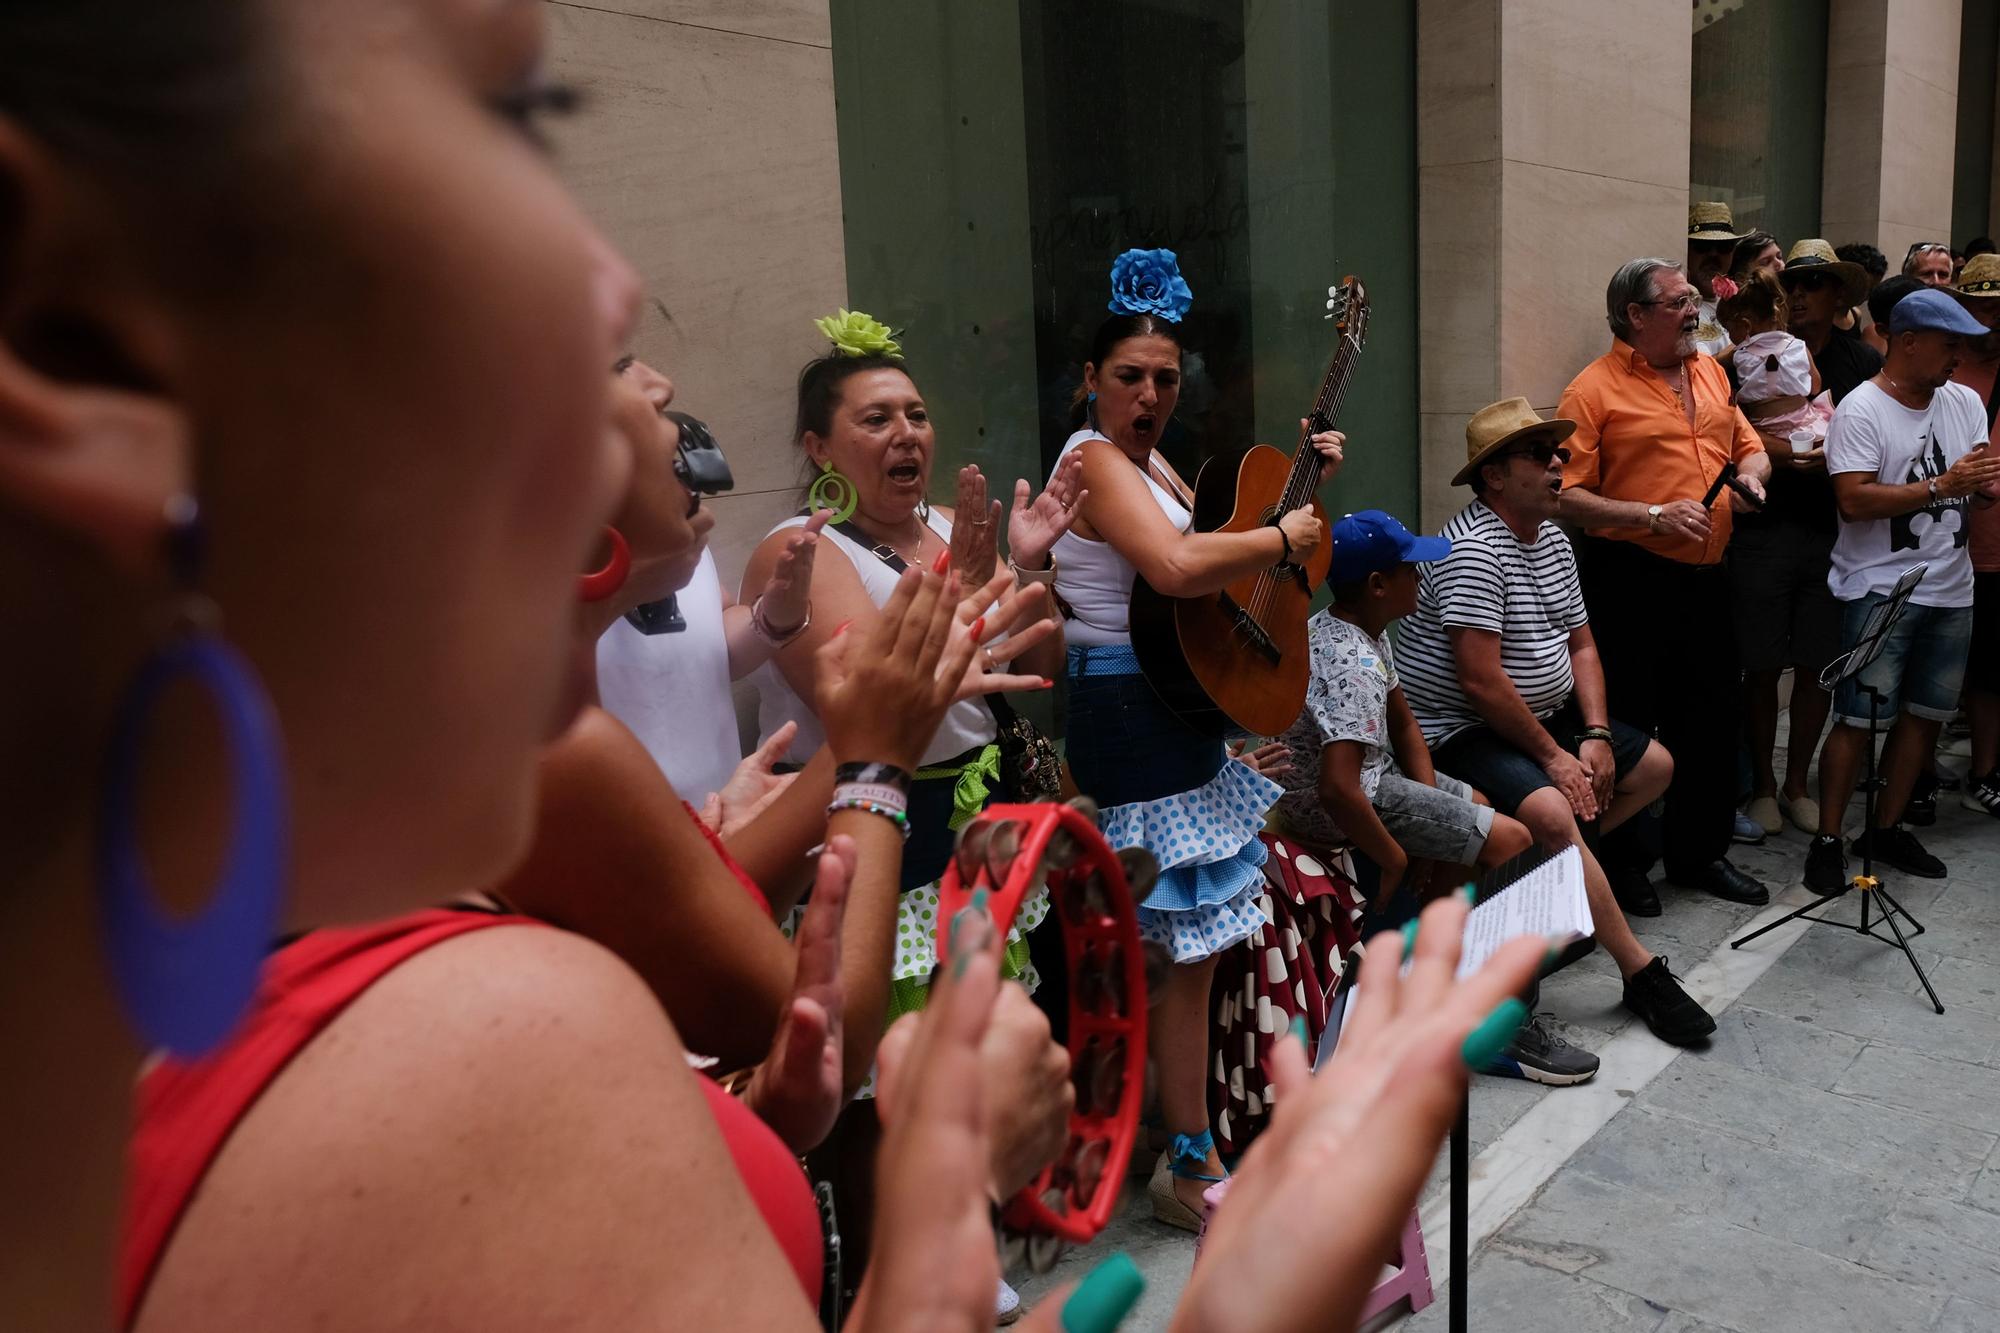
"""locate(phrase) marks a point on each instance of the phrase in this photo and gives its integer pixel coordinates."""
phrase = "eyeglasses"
(1543, 453)
(1014, 852)
(698, 461)
(1680, 304)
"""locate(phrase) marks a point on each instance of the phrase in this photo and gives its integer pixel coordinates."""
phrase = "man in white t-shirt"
(1908, 455)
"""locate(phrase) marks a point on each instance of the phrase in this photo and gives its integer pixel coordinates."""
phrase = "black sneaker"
(1897, 846)
(1922, 807)
(1634, 892)
(1982, 794)
(1655, 995)
(1826, 867)
(1540, 1056)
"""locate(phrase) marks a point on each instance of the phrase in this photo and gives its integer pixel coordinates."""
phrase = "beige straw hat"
(1980, 277)
(1712, 222)
(1816, 256)
(1499, 425)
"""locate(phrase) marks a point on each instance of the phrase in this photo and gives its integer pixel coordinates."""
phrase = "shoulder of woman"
(498, 1083)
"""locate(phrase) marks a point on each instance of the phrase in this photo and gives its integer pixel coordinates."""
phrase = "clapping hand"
(975, 529)
(796, 1091)
(1273, 759)
(1033, 529)
(752, 787)
(787, 593)
(996, 610)
(1314, 1209)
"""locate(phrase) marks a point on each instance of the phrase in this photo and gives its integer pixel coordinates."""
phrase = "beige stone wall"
(1890, 131)
(1552, 145)
(706, 151)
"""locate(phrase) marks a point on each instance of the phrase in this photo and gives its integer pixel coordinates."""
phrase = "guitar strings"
(1299, 487)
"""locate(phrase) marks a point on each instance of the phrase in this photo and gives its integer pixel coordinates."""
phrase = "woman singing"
(1162, 785)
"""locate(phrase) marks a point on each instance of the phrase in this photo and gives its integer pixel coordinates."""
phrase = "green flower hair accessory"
(855, 334)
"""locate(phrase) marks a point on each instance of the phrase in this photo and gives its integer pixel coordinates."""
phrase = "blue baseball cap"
(1933, 310)
(1371, 542)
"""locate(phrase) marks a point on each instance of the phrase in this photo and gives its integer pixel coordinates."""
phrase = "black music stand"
(1874, 634)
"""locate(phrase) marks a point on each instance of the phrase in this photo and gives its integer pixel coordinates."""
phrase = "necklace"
(1905, 389)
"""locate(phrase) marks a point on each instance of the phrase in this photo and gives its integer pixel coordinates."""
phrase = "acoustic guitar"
(1238, 658)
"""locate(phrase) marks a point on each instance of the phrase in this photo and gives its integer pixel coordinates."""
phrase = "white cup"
(1802, 441)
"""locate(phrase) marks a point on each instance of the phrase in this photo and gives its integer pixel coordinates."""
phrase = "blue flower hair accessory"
(1149, 282)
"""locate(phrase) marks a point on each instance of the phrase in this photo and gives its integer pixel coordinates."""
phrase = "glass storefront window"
(1759, 113)
(997, 154)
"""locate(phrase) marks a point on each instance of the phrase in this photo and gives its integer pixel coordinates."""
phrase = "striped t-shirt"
(1526, 592)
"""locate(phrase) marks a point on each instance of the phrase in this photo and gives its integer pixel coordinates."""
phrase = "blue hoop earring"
(185, 983)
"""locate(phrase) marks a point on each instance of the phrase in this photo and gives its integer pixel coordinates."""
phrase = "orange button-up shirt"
(1632, 442)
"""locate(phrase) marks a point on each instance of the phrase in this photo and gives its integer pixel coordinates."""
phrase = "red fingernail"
(1046, 684)
(943, 562)
(841, 628)
(978, 624)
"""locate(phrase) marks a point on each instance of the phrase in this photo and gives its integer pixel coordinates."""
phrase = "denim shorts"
(1492, 763)
(1440, 823)
(1920, 671)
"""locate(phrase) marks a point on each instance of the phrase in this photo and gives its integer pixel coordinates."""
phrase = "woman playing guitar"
(1162, 785)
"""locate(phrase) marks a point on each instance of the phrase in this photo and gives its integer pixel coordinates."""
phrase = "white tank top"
(966, 725)
(1093, 580)
(672, 690)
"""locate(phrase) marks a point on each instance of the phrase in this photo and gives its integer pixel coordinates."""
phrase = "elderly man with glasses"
(1661, 459)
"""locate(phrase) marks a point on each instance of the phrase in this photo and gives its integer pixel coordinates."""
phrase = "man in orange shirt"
(1655, 430)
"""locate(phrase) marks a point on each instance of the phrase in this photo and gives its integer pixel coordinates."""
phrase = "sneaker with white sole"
(1746, 830)
(1982, 795)
(1540, 1056)
(1007, 1306)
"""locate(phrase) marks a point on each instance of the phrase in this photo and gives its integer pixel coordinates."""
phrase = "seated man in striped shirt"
(1500, 668)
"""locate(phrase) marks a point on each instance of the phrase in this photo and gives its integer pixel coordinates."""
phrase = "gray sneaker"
(1540, 1056)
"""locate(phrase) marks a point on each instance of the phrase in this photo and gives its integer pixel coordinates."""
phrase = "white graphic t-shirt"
(1874, 433)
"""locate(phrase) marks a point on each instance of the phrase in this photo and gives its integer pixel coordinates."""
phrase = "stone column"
(1891, 122)
(1552, 145)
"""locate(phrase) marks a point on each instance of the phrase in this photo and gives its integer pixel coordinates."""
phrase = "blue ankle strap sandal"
(1185, 1159)
(1188, 1157)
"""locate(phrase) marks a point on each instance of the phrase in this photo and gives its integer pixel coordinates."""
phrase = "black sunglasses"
(698, 461)
(1542, 453)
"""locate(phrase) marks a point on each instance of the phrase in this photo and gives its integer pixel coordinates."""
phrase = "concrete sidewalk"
(1831, 1162)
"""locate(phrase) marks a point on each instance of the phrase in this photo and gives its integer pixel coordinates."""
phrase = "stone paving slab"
(1829, 1162)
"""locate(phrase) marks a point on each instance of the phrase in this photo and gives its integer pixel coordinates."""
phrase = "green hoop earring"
(831, 490)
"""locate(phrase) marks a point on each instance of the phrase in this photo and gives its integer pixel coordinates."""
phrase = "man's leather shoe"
(1725, 881)
(1634, 892)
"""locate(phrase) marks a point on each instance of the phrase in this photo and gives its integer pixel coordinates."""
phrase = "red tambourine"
(1010, 851)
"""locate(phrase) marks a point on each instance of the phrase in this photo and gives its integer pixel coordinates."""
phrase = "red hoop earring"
(607, 581)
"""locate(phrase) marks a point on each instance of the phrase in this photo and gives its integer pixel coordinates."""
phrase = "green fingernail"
(1471, 895)
(1105, 1297)
(1299, 1029)
(1482, 1046)
(979, 897)
(1409, 937)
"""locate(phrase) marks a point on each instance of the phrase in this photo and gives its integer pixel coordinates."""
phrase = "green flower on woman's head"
(855, 334)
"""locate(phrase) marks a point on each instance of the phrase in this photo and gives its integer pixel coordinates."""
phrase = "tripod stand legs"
(1869, 888)
(1889, 915)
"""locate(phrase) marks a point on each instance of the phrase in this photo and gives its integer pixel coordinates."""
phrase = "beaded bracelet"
(894, 816)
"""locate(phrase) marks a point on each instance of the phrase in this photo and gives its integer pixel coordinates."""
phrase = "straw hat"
(1980, 277)
(1712, 222)
(1816, 256)
(1500, 425)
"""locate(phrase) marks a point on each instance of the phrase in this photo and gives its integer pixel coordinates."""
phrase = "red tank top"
(186, 1112)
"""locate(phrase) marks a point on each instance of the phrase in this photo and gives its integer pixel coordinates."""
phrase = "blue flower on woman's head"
(1149, 282)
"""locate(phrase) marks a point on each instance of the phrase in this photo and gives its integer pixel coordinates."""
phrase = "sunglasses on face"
(1814, 282)
(698, 461)
(1543, 453)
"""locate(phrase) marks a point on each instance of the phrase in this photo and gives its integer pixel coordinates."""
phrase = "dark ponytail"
(1113, 331)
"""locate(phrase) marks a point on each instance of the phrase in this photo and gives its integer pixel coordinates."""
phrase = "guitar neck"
(1301, 484)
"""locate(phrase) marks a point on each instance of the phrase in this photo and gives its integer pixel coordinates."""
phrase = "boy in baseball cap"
(1361, 772)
